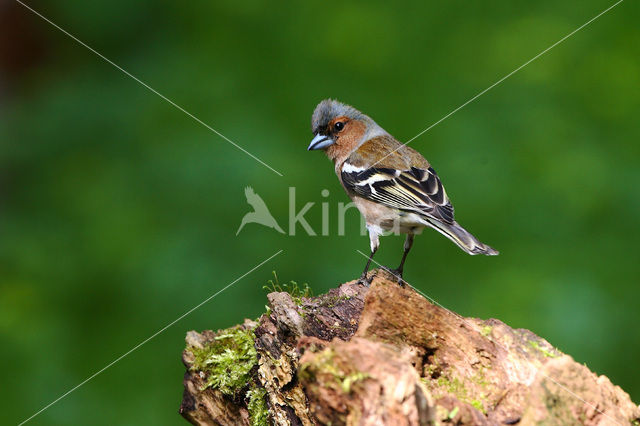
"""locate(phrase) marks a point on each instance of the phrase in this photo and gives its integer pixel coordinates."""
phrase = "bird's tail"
(463, 238)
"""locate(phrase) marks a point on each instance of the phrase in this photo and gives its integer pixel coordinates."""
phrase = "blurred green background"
(118, 212)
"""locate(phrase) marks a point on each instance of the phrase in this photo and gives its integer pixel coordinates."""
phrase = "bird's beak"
(320, 142)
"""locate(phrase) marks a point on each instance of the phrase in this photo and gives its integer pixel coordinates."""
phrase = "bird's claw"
(364, 280)
(396, 273)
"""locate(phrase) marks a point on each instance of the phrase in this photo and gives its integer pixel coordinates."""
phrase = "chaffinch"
(394, 187)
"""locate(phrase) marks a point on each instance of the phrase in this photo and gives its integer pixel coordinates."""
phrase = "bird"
(393, 186)
(260, 214)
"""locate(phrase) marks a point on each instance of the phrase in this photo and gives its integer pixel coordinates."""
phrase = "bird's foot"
(364, 280)
(397, 274)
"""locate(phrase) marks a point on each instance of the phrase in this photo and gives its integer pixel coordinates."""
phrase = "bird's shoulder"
(386, 152)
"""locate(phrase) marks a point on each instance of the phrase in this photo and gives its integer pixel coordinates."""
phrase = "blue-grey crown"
(329, 109)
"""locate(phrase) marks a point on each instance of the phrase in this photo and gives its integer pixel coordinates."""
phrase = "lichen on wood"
(385, 355)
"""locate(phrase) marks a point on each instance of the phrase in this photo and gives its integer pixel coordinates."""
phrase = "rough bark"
(386, 355)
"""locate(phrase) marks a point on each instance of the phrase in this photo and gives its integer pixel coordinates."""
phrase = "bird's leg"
(363, 278)
(408, 243)
(375, 243)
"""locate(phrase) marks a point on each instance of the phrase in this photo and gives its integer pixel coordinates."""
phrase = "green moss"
(456, 387)
(339, 328)
(453, 413)
(479, 378)
(257, 406)
(478, 405)
(227, 361)
(332, 301)
(486, 330)
(296, 291)
(324, 364)
(544, 351)
(352, 378)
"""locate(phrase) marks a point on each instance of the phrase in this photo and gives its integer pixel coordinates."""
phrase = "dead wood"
(385, 355)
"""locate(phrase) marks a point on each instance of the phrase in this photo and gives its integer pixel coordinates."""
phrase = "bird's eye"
(338, 126)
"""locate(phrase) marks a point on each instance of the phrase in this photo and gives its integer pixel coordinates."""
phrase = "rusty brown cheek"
(347, 141)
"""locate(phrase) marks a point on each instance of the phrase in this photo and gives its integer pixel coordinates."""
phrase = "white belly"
(388, 219)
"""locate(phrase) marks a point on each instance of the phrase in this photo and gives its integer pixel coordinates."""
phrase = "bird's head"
(340, 128)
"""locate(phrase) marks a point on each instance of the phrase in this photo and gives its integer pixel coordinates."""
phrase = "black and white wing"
(415, 190)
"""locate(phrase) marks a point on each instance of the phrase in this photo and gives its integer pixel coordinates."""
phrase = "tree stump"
(386, 355)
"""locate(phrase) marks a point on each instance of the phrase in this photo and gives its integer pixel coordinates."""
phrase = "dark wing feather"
(415, 190)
